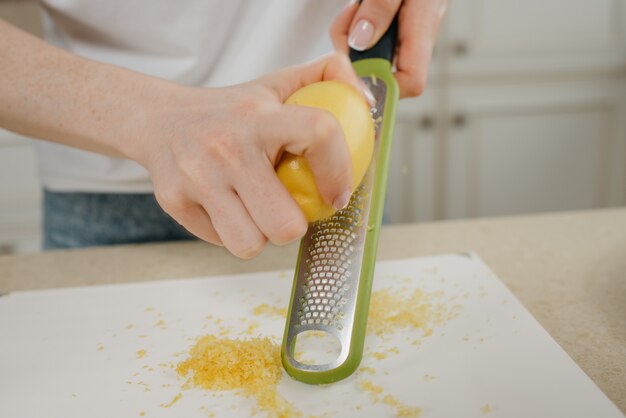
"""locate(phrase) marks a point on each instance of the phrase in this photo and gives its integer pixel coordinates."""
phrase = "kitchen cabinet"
(412, 171)
(519, 38)
(526, 113)
(537, 147)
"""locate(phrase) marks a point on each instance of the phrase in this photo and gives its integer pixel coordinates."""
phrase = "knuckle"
(225, 151)
(340, 59)
(385, 7)
(249, 106)
(416, 86)
(212, 237)
(192, 168)
(252, 248)
(342, 180)
(290, 231)
(325, 127)
(173, 200)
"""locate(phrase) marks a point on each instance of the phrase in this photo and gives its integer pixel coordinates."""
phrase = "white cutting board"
(72, 352)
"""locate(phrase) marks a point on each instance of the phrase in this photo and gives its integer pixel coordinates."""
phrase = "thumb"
(370, 22)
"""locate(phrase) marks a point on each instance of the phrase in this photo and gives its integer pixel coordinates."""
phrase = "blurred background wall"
(19, 186)
(525, 111)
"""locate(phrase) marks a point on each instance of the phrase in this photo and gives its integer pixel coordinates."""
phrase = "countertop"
(568, 269)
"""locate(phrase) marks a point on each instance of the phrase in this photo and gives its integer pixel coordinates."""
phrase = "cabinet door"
(512, 37)
(412, 180)
(539, 147)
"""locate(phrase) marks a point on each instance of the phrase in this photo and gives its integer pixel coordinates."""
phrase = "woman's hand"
(360, 26)
(211, 154)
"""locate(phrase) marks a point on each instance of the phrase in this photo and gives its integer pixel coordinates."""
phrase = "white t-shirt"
(192, 42)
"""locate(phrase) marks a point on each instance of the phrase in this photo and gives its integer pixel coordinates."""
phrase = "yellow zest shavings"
(160, 324)
(251, 366)
(208, 412)
(265, 309)
(370, 387)
(173, 401)
(394, 310)
(252, 326)
(486, 409)
(402, 410)
(376, 392)
(365, 369)
(146, 387)
(141, 353)
(142, 413)
(100, 347)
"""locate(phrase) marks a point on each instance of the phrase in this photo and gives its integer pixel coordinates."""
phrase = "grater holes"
(329, 260)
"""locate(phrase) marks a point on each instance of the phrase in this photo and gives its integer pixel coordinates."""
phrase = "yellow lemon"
(353, 114)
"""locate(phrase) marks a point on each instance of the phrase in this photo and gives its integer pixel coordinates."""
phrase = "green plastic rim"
(381, 69)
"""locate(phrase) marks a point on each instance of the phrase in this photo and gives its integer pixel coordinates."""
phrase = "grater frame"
(333, 277)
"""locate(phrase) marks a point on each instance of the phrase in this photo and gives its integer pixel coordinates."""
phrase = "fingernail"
(361, 35)
(367, 93)
(342, 200)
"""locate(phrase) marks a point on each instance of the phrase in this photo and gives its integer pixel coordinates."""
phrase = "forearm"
(48, 93)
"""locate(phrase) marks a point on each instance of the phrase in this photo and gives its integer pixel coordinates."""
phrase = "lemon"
(353, 114)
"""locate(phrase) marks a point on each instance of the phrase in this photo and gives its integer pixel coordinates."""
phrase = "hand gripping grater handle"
(333, 277)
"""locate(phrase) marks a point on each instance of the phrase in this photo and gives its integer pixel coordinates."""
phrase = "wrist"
(149, 107)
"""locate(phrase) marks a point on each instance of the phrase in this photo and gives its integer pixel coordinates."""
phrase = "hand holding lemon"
(353, 114)
(213, 153)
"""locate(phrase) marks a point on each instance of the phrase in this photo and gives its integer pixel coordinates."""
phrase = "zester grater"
(333, 278)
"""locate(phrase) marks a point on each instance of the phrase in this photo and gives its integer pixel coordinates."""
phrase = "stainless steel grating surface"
(328, 276)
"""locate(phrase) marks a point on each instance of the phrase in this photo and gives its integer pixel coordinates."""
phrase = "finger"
(197, 221)
(370, 22)
(269, 204)
(234, 225)
(341, 26)
(334, 66)
(316, 135)
(188, 214)
(419, 23)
